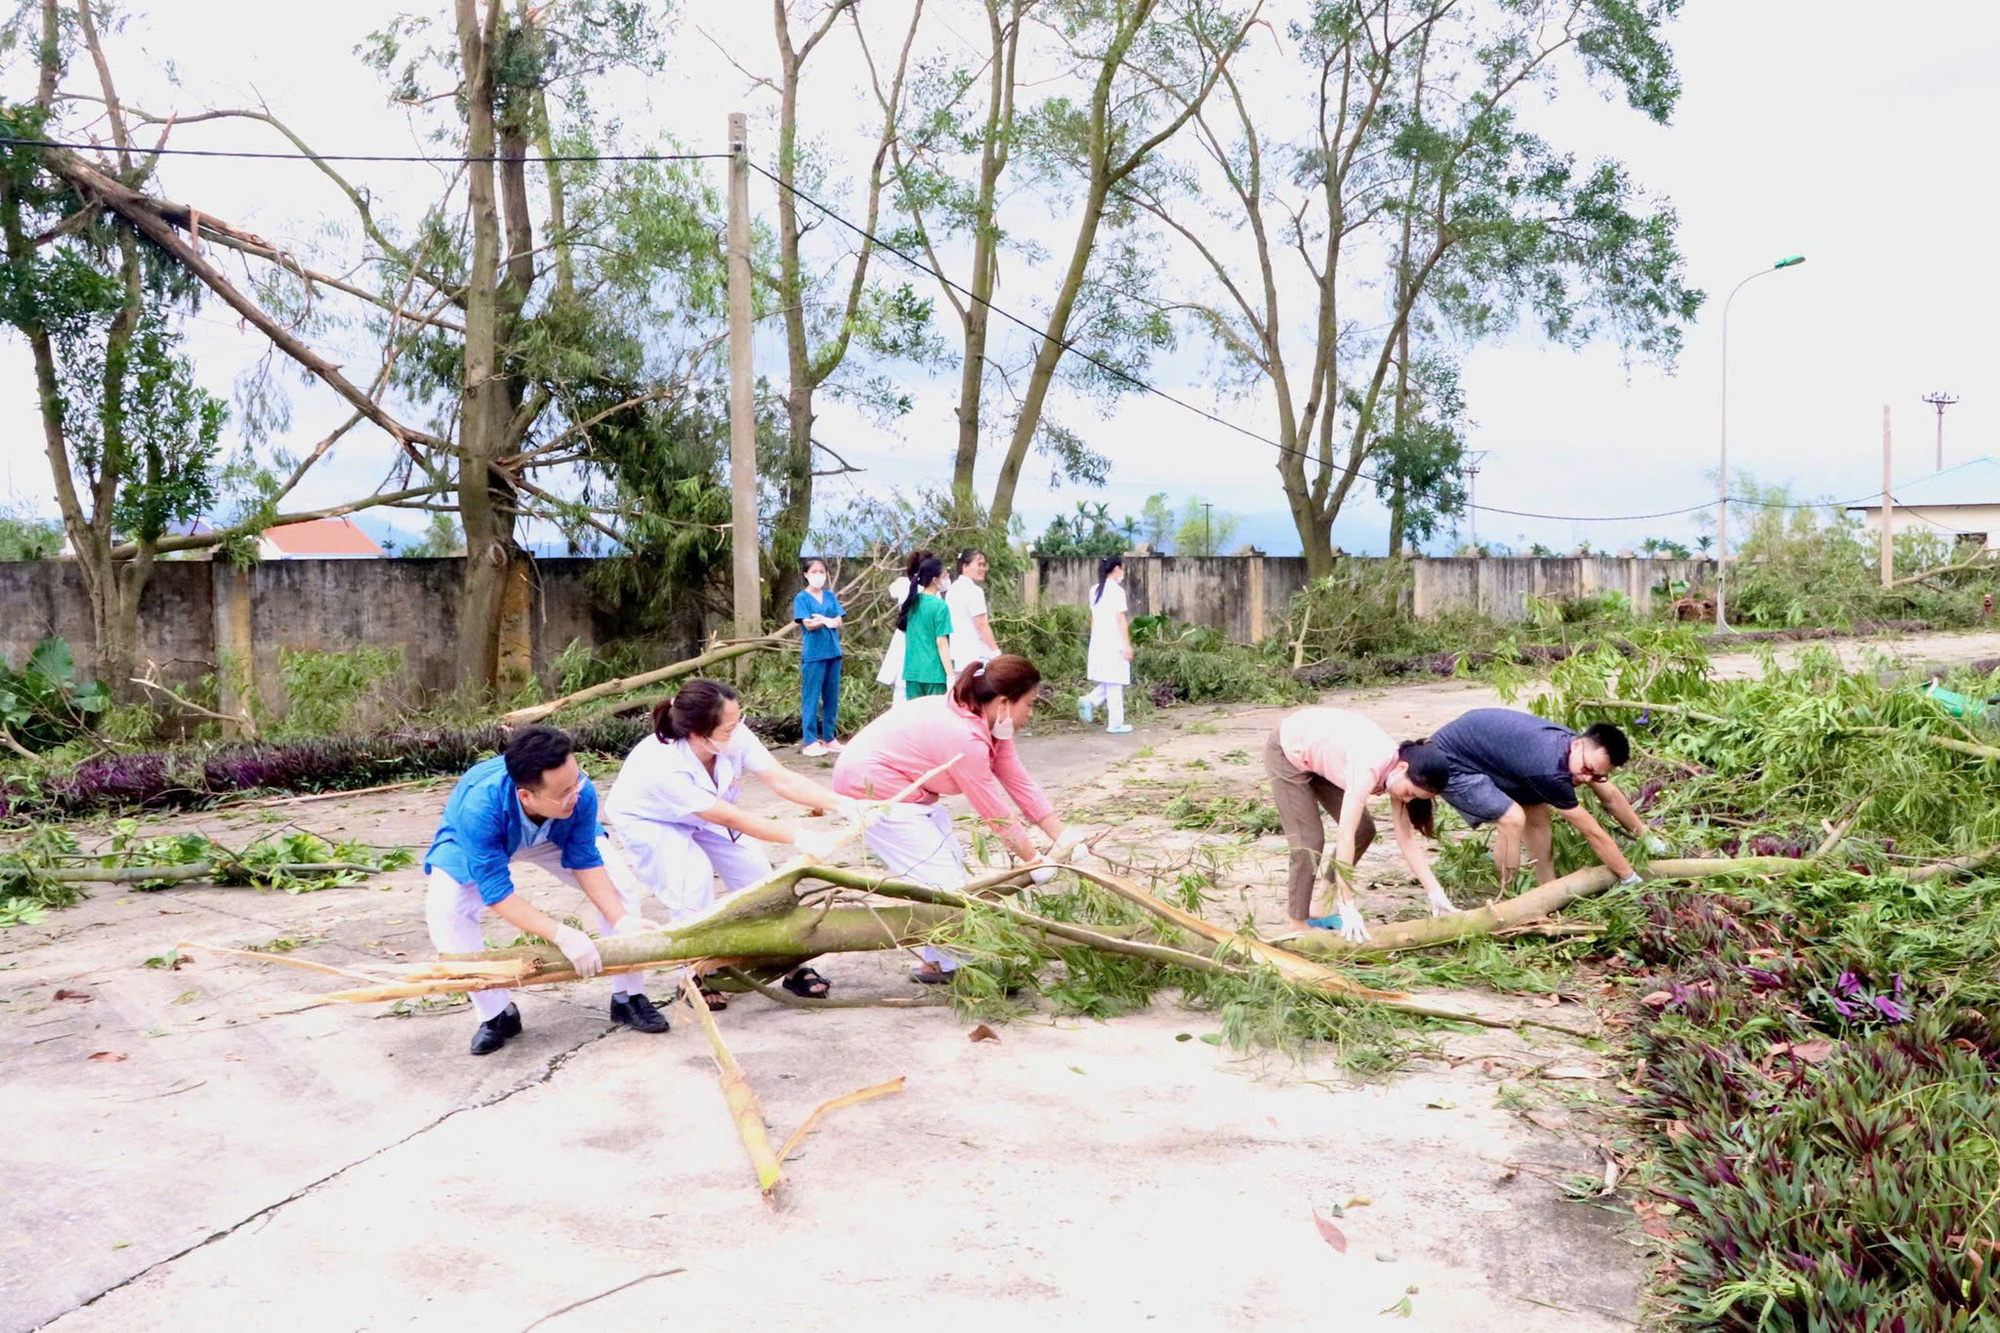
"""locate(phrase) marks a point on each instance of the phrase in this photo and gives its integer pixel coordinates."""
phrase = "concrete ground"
(183, 1153)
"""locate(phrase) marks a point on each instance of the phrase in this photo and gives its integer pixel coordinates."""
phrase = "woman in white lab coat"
(1109, 662)
(891, 673)
(674, 821)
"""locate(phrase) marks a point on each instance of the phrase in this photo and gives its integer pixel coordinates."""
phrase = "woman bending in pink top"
(975, 722)
(1333, 759)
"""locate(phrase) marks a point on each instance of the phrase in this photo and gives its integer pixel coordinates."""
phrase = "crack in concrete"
(547, 1073)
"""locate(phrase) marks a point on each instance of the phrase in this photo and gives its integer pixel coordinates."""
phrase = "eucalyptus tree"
(1417, 205)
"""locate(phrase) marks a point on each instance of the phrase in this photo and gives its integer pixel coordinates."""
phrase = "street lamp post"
(1722, 489)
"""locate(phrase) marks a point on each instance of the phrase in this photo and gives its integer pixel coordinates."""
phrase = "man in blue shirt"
(531, 804)
(1510, 769)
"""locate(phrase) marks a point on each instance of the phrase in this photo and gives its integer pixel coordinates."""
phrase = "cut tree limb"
(744, 1107)
(768, 643)
(1510, 913)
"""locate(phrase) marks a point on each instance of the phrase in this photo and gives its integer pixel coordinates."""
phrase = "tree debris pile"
(1816, 1053)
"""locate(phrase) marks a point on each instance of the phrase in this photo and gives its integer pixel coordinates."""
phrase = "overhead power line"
(14, 141)
(1120, 373)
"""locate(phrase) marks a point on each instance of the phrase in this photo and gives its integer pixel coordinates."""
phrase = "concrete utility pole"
(742, 401)
(1940, 401)
(1472, 462)
(1207, 529)
(1888, 508)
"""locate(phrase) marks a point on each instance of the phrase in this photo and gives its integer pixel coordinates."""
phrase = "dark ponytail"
(1008, 676)
(695, 711)
(916, 559)
(926, 573)
(1429, 769)
(1104, 568)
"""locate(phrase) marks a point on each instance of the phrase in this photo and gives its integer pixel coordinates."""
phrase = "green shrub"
(44, 704)
(325, 691)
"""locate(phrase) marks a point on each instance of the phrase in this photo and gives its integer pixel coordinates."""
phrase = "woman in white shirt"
(1109, 662)
(971, 634)
(891, 673)
(673, 816)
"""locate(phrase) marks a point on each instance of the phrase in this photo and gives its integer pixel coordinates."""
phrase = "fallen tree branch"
(180, 874)
(855, 1098)
(1509, 913)
(791, 1001)
(744, 1107)
(1955, 865)
(1642, 705)
(768, 643)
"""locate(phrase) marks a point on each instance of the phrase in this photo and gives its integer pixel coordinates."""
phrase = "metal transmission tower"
(1940, 401)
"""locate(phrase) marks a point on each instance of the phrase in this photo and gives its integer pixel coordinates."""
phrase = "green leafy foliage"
(325, 692)
(44, 705)
(24, 536)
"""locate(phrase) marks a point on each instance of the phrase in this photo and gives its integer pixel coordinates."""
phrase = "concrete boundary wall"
(195, 613)
(1500, 587)
(1247, 597)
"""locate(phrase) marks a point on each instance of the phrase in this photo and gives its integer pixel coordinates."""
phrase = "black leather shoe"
(637, 1012)
(493, 1033)
(509, 1020)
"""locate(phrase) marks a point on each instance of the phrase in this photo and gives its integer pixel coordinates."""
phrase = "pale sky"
(1821, 129)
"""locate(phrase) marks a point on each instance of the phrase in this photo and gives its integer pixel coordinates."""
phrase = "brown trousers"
(1300, 796)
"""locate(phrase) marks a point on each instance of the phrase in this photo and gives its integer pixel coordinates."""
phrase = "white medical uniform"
(892, 660)
(1105, 663)
(653, 814)
(917, 843)
(966, 600)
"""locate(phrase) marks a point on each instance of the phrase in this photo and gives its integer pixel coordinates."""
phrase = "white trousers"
(454, 911)
(680, 867)
(1113, 697)
(916, 843)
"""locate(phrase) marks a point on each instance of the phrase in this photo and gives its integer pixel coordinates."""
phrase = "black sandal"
(806, 983)
(714, 999)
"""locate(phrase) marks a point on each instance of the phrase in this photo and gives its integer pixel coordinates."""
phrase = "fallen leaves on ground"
(67, 994)
(107, 1057)
(1330, 1233)
(983, 1033)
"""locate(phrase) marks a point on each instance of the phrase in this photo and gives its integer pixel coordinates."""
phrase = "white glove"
(577, 947)
(1631, 879)
(1441, 905)
(1067, 844)
(819, 846)
(1042, 874)
(633, 924)
(1654, 844)
(1352, 928)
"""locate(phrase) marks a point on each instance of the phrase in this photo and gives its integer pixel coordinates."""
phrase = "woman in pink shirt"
(1331, 759)
(974, 723)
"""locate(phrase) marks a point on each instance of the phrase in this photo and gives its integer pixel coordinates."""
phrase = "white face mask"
(1003, 727)
(815, 581)
(738, 742)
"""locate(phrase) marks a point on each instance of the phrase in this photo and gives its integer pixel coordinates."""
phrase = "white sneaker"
(1118, 731)
(834, 747)
(1084, 712)
(813, 751)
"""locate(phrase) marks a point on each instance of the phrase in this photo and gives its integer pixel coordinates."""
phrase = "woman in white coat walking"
(1109, 663)
(891, 672)
(673, 816)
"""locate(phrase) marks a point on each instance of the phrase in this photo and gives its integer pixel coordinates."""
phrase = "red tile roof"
(322, 536)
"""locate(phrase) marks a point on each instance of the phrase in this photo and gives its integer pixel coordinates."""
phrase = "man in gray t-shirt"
(1510, 769)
